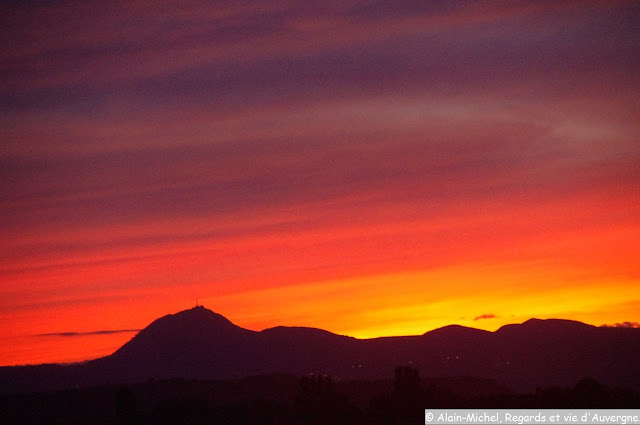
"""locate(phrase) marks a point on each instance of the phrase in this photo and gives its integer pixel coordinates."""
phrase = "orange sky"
(366, 169)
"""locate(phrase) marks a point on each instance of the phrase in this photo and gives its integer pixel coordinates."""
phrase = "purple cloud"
(485, 316)
(103, 332)
(633, 325)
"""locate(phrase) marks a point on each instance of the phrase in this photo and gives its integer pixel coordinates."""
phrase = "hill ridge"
(200, 344)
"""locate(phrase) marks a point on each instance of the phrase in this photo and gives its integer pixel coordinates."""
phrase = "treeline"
(279, 399)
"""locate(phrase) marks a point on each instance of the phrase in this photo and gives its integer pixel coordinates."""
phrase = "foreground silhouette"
(283, 399)
(202, 345)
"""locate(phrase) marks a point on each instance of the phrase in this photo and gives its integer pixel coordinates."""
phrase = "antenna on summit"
(197, 305)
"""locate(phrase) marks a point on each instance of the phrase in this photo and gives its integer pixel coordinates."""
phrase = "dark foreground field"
(285, 399)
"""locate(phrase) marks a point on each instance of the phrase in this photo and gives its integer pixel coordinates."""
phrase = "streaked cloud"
(484, 316)
(623, 325)
(103, 332)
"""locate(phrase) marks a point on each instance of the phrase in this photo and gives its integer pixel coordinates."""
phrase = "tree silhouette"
(126, 406)
(317, 402)
(405, 404)
(407, 382)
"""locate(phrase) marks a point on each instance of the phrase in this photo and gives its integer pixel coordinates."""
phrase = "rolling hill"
(200, 344)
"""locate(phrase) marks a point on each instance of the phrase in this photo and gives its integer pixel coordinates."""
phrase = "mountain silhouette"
(186, 344)
(200, 344)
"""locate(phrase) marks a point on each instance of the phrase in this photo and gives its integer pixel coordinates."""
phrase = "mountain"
(200, 344)
(191, 343)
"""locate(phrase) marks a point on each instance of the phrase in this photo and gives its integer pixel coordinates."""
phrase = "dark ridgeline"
(200, 344)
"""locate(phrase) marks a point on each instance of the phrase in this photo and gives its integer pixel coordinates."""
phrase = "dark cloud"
(105, 332)
(485, 316)
(519, 51)
(623, 325)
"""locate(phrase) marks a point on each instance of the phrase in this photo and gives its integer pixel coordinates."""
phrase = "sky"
(370, 168)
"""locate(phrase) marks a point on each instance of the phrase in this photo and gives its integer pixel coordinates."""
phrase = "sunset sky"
(367, 167)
